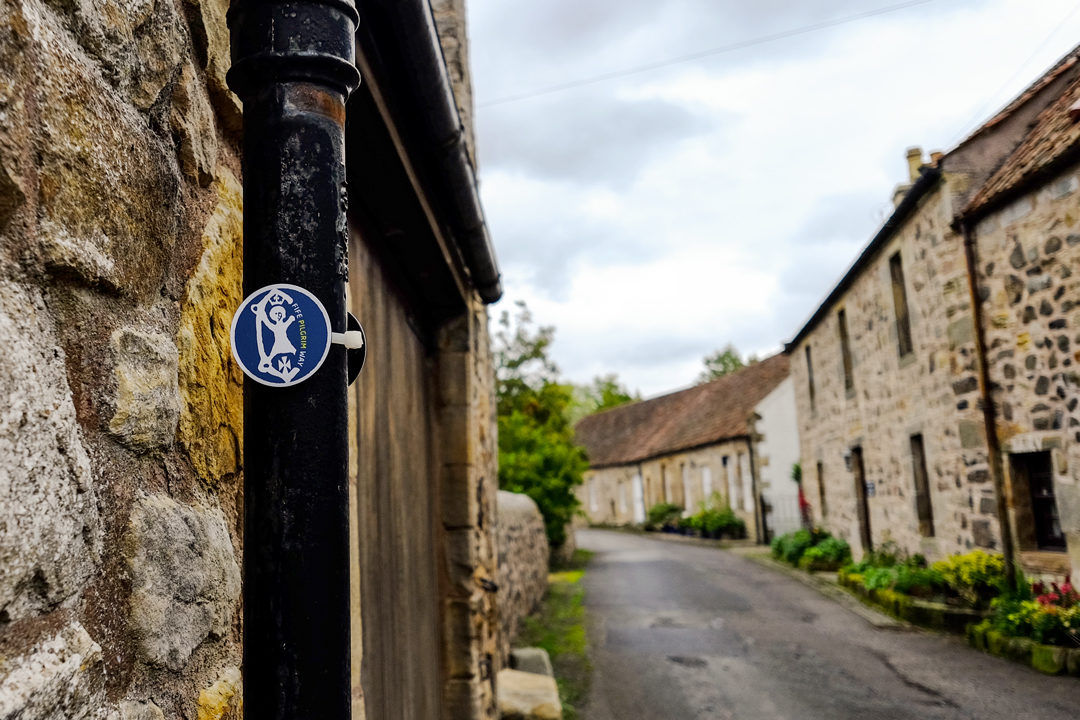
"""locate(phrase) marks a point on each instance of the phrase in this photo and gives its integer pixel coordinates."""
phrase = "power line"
(970, 125)
(701, 54)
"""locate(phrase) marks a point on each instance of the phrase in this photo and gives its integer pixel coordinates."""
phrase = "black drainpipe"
(293, 67)
(993, 447)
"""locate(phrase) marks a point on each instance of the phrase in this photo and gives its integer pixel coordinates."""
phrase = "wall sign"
(280, 335)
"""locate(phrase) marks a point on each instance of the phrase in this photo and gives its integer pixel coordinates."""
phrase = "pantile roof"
(698, 416)
(1052, 137)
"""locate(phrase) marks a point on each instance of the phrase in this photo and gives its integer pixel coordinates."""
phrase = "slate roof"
(1054, 137)
(690, 418)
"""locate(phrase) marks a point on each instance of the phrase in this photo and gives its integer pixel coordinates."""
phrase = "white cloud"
(656, 217)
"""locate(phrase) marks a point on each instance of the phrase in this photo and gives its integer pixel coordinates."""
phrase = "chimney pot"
(914, 162)
(935, 158)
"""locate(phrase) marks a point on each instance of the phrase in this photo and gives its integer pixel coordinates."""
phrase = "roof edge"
(669, 453)
(928, 179)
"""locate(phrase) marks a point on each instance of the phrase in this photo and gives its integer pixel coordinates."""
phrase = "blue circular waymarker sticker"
(280, 335)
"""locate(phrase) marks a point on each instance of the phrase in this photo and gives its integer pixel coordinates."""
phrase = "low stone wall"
(523, 564)
(933, 615)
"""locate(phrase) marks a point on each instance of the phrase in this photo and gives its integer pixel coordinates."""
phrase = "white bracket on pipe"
(351, 339)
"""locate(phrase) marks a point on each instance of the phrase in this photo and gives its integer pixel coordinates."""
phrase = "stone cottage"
(121, 434)
(887, 372)
(1024, 244)
(735, 436)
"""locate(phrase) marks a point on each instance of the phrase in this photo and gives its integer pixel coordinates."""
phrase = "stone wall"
(607, 494)
(932, 391)
(469, 512)
(523, 564)
(1029, 283)
(120, 235)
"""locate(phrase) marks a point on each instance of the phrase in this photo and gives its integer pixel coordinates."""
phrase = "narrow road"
(682, 631)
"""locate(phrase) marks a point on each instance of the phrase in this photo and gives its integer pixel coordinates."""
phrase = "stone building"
(887, 370)
(121, 458)
(1024, 241)
(734, 436)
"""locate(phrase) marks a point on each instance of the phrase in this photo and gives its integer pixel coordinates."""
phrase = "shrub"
(790, 547)
(975, 577)
(829, 554)
(663, 515)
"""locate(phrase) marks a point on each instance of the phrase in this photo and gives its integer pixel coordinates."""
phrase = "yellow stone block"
(211, 386)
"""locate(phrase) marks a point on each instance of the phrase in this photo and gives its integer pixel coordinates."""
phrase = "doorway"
(1036, 503)
(862, 505)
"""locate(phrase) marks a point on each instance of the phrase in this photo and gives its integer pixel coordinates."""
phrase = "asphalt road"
(682, 631)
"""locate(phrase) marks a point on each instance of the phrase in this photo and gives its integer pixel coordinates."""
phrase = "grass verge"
(559, 627)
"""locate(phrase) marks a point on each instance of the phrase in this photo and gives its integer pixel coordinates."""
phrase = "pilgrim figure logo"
(284, 338)
(276, 322)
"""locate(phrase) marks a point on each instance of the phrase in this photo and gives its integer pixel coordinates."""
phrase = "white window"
(706, 482)
(593, 504)
(687, 499)
(745, 489)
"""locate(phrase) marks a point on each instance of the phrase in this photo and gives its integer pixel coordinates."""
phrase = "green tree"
(603, 393)
(722, 362)
(537, 453)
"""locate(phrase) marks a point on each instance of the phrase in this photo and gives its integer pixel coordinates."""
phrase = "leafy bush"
(829, 554)
(975, 577)
(663, 514)
(714, 519)
(790, 547)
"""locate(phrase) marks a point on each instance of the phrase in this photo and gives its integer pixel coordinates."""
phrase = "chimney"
(935, 158)
(914, 162)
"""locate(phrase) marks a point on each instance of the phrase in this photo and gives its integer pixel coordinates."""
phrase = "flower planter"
(1049, 659)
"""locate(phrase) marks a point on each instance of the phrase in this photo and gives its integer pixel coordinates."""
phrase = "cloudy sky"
(656, 216)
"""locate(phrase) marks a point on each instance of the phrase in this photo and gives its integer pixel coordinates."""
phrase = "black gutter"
(927, 181)
(293, 67)
(400, 39)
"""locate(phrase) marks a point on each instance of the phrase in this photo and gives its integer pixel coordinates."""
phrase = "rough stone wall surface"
(451, 26)
(523, 564)
(932, 391)
(470, 486)
(1029, 286)
(119, 252)
(607, 495)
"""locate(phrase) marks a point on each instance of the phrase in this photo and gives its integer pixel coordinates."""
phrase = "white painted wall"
(780, 445)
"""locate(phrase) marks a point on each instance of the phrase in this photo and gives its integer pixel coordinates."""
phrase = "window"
(923, 508)
(593, 504)
(899, 293)
(821, 490)
(810, 376)
(706, 482)
(845, 350)
(745, 488)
